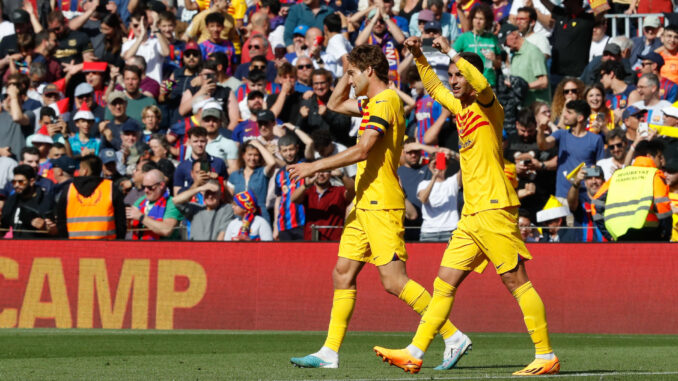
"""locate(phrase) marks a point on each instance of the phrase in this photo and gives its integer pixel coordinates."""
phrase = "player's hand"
(442, 44)
(300, 170)
(413, 44)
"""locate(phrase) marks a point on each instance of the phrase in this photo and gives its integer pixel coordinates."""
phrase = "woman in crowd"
(160, 149)
(151, 116)
(568, 89)
(481, 41)
(108, 45)
(601, 119)
(254, 173)
(248, 224)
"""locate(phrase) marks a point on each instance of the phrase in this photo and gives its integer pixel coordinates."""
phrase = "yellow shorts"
(488, 235)
(374, 236)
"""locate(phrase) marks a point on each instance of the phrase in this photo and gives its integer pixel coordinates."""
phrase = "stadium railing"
(630, 20)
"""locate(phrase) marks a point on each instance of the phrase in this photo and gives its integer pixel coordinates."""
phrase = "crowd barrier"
(601, 288)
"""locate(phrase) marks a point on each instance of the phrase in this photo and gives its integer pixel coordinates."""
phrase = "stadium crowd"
(182, 116)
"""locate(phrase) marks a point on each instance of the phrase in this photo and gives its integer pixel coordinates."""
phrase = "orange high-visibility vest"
(91, 217)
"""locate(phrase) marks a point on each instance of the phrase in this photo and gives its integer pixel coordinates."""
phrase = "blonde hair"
(154, 109)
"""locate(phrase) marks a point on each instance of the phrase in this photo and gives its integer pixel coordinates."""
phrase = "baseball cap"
(50, 89)
(654, 57)
(651, 21)
(115, 95)
(130, 125)
(425, 15)
(504, 31)
(212, 109)
(191, 45)
(265, 116)
(612, 48)
(433, 25)
(107, 155)
(83, 89)
(671, 111)
(19, 16)
(67, 164)
(301, 30)
(632, 111)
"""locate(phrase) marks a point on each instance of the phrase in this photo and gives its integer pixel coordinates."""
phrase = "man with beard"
(45, 43)
(290, 217)
(617, 145)
(580, 201)
(179, 81)
(249, 128)
(383, 32)
(72, 45)
(29, 207)
(315, 114)
(210, 218)
(9, 45)
(136, 101)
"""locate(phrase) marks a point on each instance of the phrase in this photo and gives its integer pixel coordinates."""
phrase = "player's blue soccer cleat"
(312, 361)
(453, 354)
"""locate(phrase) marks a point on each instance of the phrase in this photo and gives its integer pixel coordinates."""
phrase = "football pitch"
(51, 354)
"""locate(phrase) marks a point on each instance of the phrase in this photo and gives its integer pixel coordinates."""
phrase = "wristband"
(452, 53)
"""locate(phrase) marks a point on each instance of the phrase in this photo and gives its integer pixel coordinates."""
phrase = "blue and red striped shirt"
(290, 215)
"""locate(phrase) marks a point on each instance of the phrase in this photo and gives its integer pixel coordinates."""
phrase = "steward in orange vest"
(91, 207)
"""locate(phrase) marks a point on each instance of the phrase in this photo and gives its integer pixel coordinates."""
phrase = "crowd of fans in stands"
(194, 108)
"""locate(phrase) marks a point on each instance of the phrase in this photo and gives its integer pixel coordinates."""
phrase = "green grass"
(45, 354)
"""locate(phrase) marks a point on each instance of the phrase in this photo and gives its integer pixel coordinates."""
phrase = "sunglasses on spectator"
(192, 53)
(303, 67)
(618, 145)
(84, 96)
(52, 95)
(253, 46)
(646, 63)
(18, 182)
(257, 67)
(150, 187)
(570, 91)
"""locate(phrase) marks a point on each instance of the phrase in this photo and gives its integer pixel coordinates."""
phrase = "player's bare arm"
(340, 101)
(350, 156)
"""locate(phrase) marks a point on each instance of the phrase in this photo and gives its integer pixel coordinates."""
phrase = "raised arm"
(268, 157)
(365, 34)
(549, 5)
(340, 101)
(544, 142)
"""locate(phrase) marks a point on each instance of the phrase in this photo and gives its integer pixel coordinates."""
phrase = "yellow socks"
(342, 309)
(535, 317)
(418, 298)
(436, 314)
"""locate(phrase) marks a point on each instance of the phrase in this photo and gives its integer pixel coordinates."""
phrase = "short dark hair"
(259, 58)
(30, 151)
(524, 212)
(616, 133)
(214, 17)
(25, 170)
(333, 23)
(616, 67)
(273, 5)
(526, 118)
(648, 147)
(94, 163)
(210, 65)
(365, 56)
(325, 73)
(530, 11)
(197, 131)
(137, 15)
(288, 140)
(580, 107)
(148, 166)
(220, 58)
(474, 60)
(672, 28)
(256, 76)
(134, 69)
(321, 138)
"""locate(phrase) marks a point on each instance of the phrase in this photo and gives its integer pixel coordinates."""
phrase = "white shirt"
(6, 29)
(221, 147)
(260, 228)
(541, 42)
(337, 46)
(539, 7)
(440, 212)
(276, 37)
(150, 50)
(609, 167)
(349, 170)
(598, 47)
(654, 113)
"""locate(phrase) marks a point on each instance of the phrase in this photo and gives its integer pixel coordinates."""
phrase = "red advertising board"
(602, 288)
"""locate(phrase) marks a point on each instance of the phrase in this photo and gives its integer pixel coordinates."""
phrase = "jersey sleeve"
(478, 81)
(381, 116)
(435, 87)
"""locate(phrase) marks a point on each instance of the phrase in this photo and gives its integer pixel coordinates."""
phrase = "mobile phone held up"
(441, 161)
(204, 166)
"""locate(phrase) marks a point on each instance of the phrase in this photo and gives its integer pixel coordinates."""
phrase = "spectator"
(154, 215)
(197, 30)
(669, 52)
(289, 217)
(337, 44)
(148, 86)
(618, 94)
(438, 197)
(640, 188)
(580, 202)
(110, 165)
(611, 52)
(135, 99)
(82, 144)
(304, 67)
(160, 149)
(85, 93)
(310, 13)
(108, 44)
(208, 87)
(601, 118)
(17, 124)
(249, 225)
(28, 209)
(166, 25)
(439, 62)
(553, 216)
(72, 45)
(411, 173)
(253, 175)
(481, 41)
(652, 63)
(152, 117)
(260, 27)
(90, 196)
(94, 76)
(599, 39)
(382, 31)
(527, 230)
(203, 207)
(526, 21)
(671, 116)
(324, 146)
(568, 89)
(258, 46)
(647, 43)
(217, 145)
(180, 81)
(617, 144)
(527, 62)
(154, 50)
(197, 140)
(214, 44)
(571, 38)
(141, 167)
(315, 114)
(435, 12)
(63, 169)
(224, 71)
(648, 88)
(575, 145)
(285, 105)
(646, 6)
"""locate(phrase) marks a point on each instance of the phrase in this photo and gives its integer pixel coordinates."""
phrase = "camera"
(592, 172)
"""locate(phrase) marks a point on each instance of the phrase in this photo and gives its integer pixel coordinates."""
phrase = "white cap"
(671, 111)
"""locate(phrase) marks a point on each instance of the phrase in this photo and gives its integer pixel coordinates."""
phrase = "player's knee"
(393, 285)
(342, 278)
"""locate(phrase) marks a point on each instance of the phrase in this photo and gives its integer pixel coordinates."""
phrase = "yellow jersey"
(376, 182)
(480, 139)
(674, 201)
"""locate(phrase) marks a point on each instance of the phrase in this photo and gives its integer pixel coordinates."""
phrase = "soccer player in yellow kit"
(488, 229)
(374, 230)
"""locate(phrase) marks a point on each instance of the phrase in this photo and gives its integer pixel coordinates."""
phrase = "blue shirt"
(301, 14)
(77, 145)
(258, 185)
(182, 175)
(572, 151)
